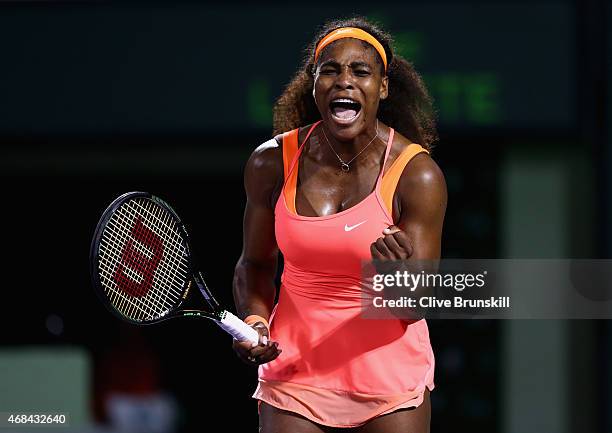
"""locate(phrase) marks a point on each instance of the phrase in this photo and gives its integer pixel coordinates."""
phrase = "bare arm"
(422, 198)
(254, 289)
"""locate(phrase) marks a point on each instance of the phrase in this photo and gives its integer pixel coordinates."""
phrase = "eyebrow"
(353, 65)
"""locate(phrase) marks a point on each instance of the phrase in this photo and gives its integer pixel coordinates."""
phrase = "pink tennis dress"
(336, 368)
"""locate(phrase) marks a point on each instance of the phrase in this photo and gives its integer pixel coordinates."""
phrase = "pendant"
(345, 167)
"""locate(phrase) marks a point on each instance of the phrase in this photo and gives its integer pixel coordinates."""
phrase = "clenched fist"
(393, 245)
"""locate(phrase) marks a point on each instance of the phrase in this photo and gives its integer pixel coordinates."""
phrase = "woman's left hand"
(393, 245)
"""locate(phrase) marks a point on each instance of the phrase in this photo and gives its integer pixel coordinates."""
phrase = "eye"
(362, 72)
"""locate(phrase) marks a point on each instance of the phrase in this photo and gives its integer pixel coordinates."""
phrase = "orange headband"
(351, 32)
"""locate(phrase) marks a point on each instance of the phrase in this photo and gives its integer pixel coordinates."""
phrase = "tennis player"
(347, 179)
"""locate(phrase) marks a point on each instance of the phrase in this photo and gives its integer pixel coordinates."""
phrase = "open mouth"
(344, 109)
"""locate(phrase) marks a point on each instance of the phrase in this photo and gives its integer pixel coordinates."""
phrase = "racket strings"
(140, 282)
(162, 289)
(125, 303)
(174, 265)
(154, 298)
(131, 283)
(177, 266)
(121, 299)
(132, 215)
(143, 255)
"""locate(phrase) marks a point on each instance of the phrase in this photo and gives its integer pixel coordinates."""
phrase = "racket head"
(140, 259)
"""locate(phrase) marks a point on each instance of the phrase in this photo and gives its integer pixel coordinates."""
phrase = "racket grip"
(237, 328)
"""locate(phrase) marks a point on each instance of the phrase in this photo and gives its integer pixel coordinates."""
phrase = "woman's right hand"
(261, 353)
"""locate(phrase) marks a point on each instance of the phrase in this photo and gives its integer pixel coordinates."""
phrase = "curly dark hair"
(408, 108)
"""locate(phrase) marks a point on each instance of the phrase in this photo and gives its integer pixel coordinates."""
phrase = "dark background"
(101, 98)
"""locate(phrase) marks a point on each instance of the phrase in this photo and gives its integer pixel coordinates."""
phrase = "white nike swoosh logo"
(348, 228)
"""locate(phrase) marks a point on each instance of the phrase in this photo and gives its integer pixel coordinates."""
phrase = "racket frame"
(195, 279)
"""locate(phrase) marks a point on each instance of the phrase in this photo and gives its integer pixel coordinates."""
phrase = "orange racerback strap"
(290, 150)
(392, 176)
(388, 182)
(290, 147)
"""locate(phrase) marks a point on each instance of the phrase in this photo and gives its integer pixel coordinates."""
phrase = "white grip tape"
(238, 329)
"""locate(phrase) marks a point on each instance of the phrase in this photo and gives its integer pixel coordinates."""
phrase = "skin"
(345, 69)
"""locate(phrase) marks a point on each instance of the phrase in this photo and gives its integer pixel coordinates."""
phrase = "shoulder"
(421, 192)
(421, 175)
(423, 172)
(263, 173)
(267, 157)
(422, 189)
(421, 167)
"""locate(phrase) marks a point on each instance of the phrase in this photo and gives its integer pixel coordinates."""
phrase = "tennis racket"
(142, 268)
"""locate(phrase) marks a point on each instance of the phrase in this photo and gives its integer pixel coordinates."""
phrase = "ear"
(384, 88)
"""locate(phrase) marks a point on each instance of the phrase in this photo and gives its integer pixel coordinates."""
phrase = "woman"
(343, 182)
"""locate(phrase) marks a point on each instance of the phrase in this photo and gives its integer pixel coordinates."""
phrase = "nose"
(345, 78)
